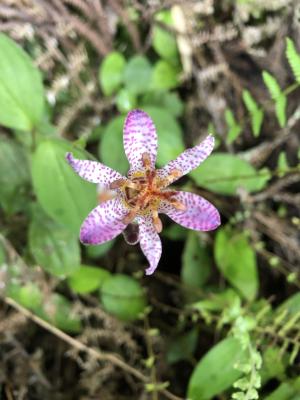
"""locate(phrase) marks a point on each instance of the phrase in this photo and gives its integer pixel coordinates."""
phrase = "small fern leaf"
(280, 109)
(272, 85)
(234, 128)
(277, 95)
(256, 113)
(293, 58)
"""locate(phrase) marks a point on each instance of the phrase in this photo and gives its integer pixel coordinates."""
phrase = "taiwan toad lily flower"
(140, 197)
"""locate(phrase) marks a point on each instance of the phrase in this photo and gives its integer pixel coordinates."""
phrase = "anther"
(157, 221)
(178, 205)
(146, 160)
(129, 217)
(117, 183)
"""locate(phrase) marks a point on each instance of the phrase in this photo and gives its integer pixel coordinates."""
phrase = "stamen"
(105, 195)
(178, 205)
(157, 221)
(146, 160)
(130, 216)
(174, 173)
(117, 183)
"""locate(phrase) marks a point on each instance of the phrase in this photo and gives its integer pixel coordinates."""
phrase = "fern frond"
(293, 58)
(256, 113)
(234, 128)
(277, 95)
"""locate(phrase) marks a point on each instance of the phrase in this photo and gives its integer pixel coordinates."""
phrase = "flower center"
(144, 192)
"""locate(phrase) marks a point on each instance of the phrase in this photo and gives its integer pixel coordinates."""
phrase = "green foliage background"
(254, 343)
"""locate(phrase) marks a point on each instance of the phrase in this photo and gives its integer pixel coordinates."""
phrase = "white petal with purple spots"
(150, 242)
(199, 215)
(104, 222)
(189, 159)
(93, 171)
(139, 137)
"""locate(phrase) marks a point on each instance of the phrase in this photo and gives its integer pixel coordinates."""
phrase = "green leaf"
(137, 75)
(215, 372)
(273, 365)
(288, 390)
(87, 279)
(292, 305)
(182, 347)
(60, 191)
(123, 297)
(225, 173)
(14, 176)
(112, 138)
(54, 247)
(196, 262)
(277, 95)
(21, 88)
(125, 101)
(219, 301)
(293, 58)
(165, 76)
(236, 260)
(58, 311)
(111, 72)
(256, 113)
(234, 128)
(170, 101)
(170, 142)
(28, 295)
(163, 41)
(99, 250)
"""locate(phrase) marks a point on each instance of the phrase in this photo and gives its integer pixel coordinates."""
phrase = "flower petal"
(150, 242)
(139, 136)
(104, 222)
(199, 215)
(93, 171)
(188, 160)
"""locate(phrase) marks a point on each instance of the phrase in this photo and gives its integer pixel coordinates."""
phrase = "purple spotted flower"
(133, 203)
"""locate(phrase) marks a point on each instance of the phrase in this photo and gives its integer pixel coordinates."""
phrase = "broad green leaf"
(277, 95)
(99, 250)
(234, 128)
(137, 75)
(293, 58)
(14, 176)
(196, 262)
(87, 279)
(165, 76)
(175, 232)
(60, 191)
(163, 41)
(286, 391)
(111, 150)
(54, 247)
(273, 365)
(125, 101)
(170, 142)
(28, 295)
(21, 88)
(219, 301)
(111, 72)
(58, 311)
(215, 372)
(123, 297)
(225, 173)
(292, 305)
(170, 101)
(182, 347)
(236, 260)
(280, 109)
(256, 113)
